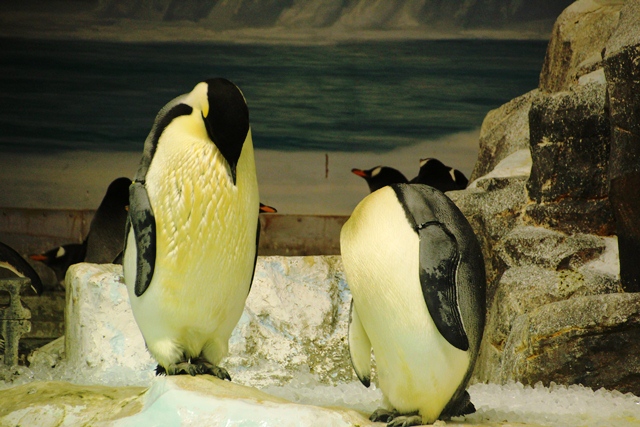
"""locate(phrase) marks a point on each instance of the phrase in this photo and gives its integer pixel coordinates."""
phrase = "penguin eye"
(376, 171)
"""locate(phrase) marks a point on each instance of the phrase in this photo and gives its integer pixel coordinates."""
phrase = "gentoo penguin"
(105, 239)
(11, 260)
(192, 232)
(417, 277)
(61, 258)
(380, 176)
(436, 174)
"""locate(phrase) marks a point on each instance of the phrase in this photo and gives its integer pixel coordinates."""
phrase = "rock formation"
(557, 307)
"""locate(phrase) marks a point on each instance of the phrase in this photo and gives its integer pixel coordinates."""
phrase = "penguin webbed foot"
(382, 415)
(405, 421)
(196, 367)
(395, 419)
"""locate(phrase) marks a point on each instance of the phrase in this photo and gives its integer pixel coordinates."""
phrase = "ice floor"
(558, 406)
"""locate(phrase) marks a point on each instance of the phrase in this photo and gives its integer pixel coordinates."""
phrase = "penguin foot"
(205, 367)
(381, 415)
(197, 367)
(405, 421)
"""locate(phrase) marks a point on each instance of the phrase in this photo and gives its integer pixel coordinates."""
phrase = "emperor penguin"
(440, 176)
(379, 176)
(417, 278)
(192, 232)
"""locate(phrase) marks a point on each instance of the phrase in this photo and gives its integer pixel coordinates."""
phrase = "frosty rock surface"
(100, 331)
(296, 317)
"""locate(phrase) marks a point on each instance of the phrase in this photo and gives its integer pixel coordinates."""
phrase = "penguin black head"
(440, 176)
(380, 176)
(61, 258)
(117, 195)
(226, 118)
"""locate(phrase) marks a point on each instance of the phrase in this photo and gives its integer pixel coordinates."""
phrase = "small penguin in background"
(436, 174)
(380, 176)
(192, 233)
(105, 239)
(11, 260)
(61, 258)
(416, 274)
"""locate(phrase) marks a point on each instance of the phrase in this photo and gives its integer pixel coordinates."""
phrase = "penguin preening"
(11, 260)
(436, 174)
(192, 233)
(61, 258)
(416, 274)
(380, 176)
(106, 233)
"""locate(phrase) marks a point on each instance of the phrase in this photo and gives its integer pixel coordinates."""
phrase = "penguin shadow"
(432, 172)
(103, 243)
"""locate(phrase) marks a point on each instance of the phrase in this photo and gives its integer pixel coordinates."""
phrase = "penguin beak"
(359, 172)
(38, 257)
(267, 209)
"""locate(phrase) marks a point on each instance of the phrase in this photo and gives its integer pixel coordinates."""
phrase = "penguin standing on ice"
(440, 176)
(192, 233)
(416, 274)
(380, 176)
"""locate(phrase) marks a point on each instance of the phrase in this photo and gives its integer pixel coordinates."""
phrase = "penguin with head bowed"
(416, 274)
(192, 232)
(11, 260)
(380, 176)
(436, 174)
(105, 239)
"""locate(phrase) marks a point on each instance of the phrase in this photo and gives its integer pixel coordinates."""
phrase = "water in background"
(378, 100)
(372, 96)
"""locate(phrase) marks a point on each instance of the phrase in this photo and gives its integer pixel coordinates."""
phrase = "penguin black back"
(440, 176)
(106, 233)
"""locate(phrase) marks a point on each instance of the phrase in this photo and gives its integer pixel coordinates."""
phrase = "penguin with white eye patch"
(437, 175)
(416, 274)
(379, 176)
(192, 231)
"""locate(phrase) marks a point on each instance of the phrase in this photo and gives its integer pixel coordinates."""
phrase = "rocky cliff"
(555, 201)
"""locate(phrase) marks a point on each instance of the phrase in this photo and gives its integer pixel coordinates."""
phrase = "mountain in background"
(343, 14)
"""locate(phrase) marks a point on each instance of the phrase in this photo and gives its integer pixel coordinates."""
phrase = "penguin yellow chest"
(205, 234)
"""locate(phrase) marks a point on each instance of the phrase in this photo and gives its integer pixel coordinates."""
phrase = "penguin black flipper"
(143, 222)
(439, 259)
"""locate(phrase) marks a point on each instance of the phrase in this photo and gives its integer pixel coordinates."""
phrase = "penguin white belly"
(417, 368)
(206, 243)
